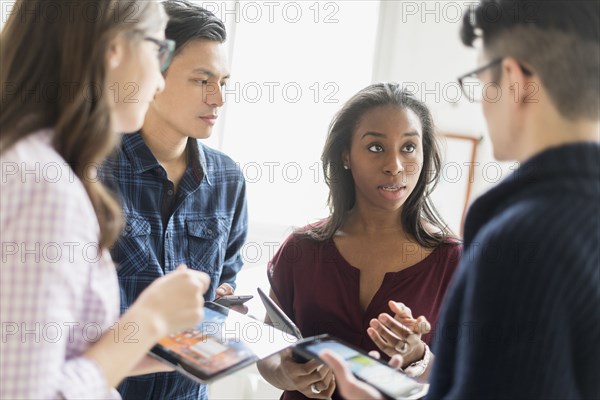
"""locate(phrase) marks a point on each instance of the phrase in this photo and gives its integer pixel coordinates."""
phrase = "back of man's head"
(188, 22)
(560, 40)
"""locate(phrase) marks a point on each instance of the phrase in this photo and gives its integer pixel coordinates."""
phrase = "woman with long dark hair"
(73, 75)
(382, 254)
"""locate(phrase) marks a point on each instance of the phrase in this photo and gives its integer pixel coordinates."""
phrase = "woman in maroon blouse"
(383, 243)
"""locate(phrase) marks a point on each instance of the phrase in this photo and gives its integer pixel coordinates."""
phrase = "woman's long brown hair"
(52, 72)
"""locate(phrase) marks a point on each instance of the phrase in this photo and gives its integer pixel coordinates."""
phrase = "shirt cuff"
(83, 379)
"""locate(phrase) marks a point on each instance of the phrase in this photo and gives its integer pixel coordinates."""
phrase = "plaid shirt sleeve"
(237, 237)
(59, 293)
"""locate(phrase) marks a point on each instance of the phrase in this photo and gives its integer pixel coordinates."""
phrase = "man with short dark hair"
(521, 319)
(183, 201)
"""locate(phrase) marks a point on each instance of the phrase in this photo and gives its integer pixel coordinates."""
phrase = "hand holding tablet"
(224, 342)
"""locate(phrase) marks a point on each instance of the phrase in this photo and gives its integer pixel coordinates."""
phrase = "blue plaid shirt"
(202, 225)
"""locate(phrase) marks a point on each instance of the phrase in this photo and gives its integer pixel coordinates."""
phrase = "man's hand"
(226, 290)
(349, 387)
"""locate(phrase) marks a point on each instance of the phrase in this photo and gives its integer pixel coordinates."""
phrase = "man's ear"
(115, 52)
(521, 86)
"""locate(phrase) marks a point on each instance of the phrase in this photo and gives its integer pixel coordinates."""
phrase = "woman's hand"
(175, 301)
(312, 379)
(400, 334)
(170, 304)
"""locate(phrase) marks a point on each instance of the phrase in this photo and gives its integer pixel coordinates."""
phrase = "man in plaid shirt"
(183, 201)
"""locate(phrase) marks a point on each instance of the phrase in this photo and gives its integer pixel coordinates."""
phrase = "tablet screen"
(224, 342)
(385, 379)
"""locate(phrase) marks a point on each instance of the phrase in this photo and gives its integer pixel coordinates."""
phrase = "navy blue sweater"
(521, 319)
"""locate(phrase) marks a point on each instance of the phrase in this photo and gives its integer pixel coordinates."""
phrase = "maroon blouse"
(319, 290)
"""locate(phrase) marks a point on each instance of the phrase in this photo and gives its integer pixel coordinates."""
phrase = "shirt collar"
(141, 158)
(198, 158)
(568, 166)
(138, 153)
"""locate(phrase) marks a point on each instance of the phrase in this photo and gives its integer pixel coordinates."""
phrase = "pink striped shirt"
(58, 295)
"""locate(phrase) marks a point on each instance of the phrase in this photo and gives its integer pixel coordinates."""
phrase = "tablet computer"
(224, 342)
(278, 318)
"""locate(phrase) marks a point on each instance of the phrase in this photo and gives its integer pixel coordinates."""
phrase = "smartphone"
(389, 381)
(233, 300)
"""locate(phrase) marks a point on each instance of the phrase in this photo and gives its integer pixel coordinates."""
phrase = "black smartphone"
(389, 381)
(233, 300)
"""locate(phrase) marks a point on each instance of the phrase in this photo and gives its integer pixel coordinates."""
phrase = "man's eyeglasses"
(166, 48)
(472, 87)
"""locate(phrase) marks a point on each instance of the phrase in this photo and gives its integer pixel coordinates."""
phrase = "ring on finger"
(401, 346)
(313, 388)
